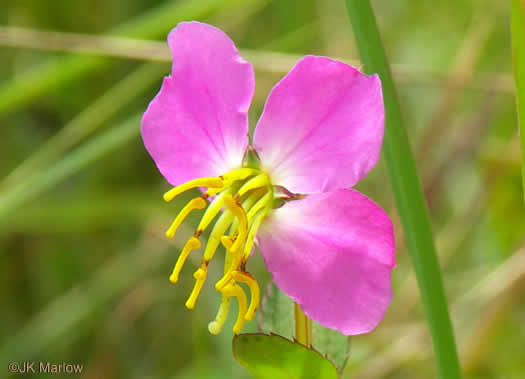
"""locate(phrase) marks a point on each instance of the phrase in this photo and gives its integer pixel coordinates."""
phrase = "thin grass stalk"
(518, 61)
(408, 193)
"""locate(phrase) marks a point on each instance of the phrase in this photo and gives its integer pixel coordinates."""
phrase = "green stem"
(518, 60)
(303, 327)
(408, 193)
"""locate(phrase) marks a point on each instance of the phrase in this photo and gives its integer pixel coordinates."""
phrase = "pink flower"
(329, 248)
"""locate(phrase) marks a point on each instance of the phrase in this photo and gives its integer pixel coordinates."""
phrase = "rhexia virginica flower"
(329, 248)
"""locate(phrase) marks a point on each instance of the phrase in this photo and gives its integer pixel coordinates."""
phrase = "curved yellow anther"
(192, 244)
(237, 291)
(247, 278)
(258, 181)
(197, 203)
(200, 277)
(215, 326)
(238, 211)
(212, 182)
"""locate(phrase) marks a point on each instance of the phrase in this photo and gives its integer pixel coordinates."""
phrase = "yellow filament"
(215, 236)
(212, 211)
(262, 202)
(197, 203)
(192, 244)
(246, 205)
(228, 243)
(243, 219)
(220, 228)
(200, 277)
(251, 235)
(238, 174)
(212, 182)
(237, 291)
(233, 176)
(244, 277)
(238, 211)
(215, 326)
(260, 180)
(236, 261)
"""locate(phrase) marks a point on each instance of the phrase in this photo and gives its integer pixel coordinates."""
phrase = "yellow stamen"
(212, 182)
(220, 227)
(212, 211)
(260, 180)
(251, 235)
(247, 278)
(197, 203)
(227, 241)
(243, 219)
(238, 211)
(215, 326)
(262, 202)
(215, 236)
(231, 177)
(237, 291)
(192, 244)
(246, 205)
(200, 277)
(238, 174)
(235, 263)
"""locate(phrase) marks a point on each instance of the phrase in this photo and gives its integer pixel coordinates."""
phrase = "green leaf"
(518, 58)
(407, 191)
(271, 356)
(277, 316)
(334, 345)
(277, 312)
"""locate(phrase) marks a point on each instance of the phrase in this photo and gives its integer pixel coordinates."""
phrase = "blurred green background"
(84, 261)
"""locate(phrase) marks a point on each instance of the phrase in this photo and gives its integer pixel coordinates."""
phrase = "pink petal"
(332, 253)
(197, 125)
(322, 126)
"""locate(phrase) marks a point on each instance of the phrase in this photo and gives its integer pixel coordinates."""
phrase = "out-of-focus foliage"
(84, 264)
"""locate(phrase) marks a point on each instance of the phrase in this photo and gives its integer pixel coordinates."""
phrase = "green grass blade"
(87, 122)
(408, 192)
(518, 58)
(72, 163)
(23, 89)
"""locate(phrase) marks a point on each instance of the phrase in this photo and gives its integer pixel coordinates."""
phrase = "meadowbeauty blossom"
(328, 247)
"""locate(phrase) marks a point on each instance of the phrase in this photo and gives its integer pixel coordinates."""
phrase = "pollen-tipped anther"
(247, 278)
(200, 277)
(212, 182)
(235, 290)
(242, 213)
(197, 203)
(192, 244)
(216, 325)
